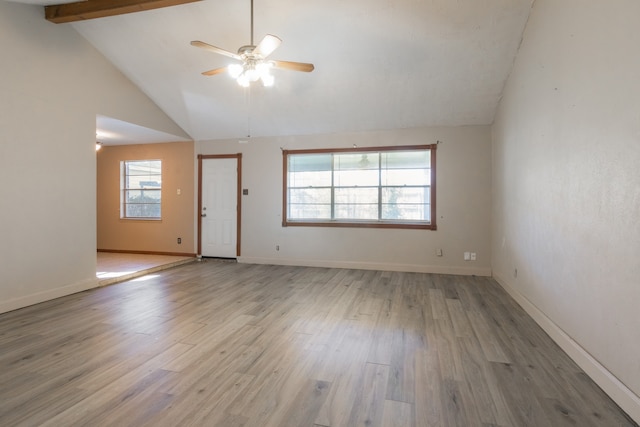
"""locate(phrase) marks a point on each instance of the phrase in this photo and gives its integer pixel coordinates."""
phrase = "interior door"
(219, 207)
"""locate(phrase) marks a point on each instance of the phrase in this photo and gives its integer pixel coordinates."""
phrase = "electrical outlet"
(467, 256)
(277, 247)
(473, 256)
(179, 240)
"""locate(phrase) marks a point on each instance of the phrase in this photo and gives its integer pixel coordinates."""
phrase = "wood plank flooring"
(225, 344)
(115, 267)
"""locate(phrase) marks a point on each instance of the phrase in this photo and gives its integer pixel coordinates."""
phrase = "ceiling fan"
(255, 65)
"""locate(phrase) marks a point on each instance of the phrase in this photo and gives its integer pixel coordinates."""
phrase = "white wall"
(463, 206)
(566, 181)
(52, 85)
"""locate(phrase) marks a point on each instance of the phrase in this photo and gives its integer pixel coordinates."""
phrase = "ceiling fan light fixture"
(267, 80)
(243, 80)
(235, 70)
(252, 74)
(264, 70)
(263, 67)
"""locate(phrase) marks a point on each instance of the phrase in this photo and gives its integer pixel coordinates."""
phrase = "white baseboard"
(27, 300)
(616, 389)
(436, 269)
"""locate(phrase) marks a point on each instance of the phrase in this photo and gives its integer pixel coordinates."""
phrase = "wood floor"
(225, 344)
(114, 267)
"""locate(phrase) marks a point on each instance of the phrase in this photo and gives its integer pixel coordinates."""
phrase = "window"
(141, 189)
(387, 187)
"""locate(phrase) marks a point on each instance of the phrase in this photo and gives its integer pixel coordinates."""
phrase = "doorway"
(219, 205)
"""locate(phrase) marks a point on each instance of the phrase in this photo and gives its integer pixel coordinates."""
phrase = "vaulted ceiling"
(379, 64)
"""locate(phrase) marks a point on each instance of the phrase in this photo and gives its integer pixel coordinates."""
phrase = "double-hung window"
(388, 187)
(141, 189)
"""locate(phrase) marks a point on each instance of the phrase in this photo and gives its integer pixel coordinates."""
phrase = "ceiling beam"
(91, 9)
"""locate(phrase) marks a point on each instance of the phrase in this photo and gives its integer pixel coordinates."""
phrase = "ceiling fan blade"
(294, 66)
(214, 71)
(203, 45)
(267, 45)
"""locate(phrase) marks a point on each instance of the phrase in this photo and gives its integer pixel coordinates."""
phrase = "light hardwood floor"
(225, 344)
(114, 267)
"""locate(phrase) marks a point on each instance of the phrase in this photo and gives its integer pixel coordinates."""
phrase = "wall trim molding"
(124, 251)
(616, 389)
(361, 265)
(50, 294)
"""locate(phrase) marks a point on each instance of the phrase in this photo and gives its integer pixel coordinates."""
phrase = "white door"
(219, 213)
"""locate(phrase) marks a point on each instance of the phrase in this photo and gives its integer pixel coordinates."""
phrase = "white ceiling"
(380, 64)
(110, 131)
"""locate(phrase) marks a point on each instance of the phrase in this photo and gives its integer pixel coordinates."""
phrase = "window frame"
(124, 189)
(419, 225)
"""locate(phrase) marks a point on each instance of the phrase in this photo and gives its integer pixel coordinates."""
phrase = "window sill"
(362, 224)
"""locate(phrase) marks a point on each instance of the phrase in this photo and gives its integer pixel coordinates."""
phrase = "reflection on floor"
(118, 267)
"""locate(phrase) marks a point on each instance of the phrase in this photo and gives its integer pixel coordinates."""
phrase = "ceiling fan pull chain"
(248, 112)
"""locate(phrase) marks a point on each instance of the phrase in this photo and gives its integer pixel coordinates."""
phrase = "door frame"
(238, 158)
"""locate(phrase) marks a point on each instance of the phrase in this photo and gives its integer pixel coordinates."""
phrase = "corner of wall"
(620, 393)
(32, 299)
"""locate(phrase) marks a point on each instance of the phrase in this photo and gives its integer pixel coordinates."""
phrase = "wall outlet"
(179, 240)
(473, 256)
(277, 247)
(467, 256)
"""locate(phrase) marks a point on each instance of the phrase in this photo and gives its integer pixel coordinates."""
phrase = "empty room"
(367, 213)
